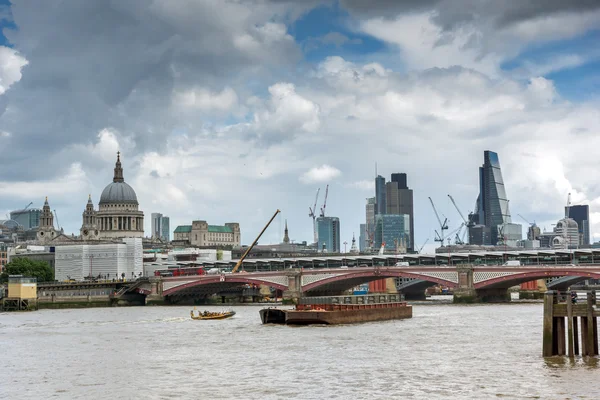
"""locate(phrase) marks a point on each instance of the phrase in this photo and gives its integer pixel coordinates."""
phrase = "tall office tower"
(156, 225)
(160, 227)
(401, 180)
(380, 196)
(492, 203)
(165, 229)
(581, 215)
(399, 200)
(328, 229)
(370, 209)
(362, 238)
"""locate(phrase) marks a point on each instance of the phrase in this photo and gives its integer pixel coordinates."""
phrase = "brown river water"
(444, 352)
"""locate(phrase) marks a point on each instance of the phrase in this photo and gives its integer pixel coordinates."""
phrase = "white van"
(402, 264)
(512, 263)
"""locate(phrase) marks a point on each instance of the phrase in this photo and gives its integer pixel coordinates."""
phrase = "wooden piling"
(570, 328)
(556, 309)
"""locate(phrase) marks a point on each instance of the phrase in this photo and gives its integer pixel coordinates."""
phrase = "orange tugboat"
(332, 310)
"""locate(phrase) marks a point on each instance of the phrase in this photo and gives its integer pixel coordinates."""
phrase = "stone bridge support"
(294, 290)
(466, 292)
(155, 297)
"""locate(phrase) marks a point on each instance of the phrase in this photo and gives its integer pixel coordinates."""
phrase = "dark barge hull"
(340, 315)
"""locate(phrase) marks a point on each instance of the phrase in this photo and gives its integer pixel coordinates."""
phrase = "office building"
(380, 196)
(160, 227)
(28, 218)
(581, 215)
(362, 238)
(491, 208)
(370, 209)
(399, 201)
(392, 230)
(328, 229)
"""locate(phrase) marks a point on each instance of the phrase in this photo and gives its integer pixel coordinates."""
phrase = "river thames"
(444, 352)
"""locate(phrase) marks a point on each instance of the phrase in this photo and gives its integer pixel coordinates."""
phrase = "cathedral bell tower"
(89, 227)
(46, 232)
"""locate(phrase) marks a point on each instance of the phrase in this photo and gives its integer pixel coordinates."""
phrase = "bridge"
(470, 282)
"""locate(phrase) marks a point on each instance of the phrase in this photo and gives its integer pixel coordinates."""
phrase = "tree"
(40, 270)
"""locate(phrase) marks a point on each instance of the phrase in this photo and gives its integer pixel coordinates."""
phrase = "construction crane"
(460, 240)
(421, 248)
(443, 226)
(314, 217)
(325, 201)
(27, 206)
(241, 260)
(523, 218)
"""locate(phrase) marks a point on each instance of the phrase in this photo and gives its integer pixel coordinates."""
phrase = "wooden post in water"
(548, 338)
(570, 328)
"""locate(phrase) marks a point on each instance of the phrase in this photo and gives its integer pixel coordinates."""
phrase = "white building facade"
(105, 261)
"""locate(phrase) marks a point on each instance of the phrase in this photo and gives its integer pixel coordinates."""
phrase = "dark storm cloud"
(98, 64)
(450, 14)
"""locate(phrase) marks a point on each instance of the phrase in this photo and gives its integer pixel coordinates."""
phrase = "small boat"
(212, 315)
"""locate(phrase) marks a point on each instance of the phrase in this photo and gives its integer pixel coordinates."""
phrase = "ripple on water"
(444, 351)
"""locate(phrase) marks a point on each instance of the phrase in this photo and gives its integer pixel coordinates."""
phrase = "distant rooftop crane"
(443, 226)
(325, 201)
(313, 215)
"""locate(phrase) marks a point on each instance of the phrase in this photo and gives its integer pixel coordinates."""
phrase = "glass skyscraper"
(581, 215)
(491, 208)
(393, 230)
(328, 229)
(380, 196)
(160, 227)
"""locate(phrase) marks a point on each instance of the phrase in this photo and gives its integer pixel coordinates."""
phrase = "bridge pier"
(294, 290)
(155, 297)
(466, 292)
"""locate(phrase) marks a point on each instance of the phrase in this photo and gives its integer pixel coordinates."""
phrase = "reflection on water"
(444, 352)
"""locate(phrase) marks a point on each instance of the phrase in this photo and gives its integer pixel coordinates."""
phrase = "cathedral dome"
(118, 192)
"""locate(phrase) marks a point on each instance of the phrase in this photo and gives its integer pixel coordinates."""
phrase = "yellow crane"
(241, 260)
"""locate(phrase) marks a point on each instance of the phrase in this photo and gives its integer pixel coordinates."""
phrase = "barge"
(333, 310)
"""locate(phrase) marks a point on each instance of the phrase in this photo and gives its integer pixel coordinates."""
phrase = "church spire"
(118, 169)
(286, 238)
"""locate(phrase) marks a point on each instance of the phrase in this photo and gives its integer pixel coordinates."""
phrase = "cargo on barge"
(333, 310)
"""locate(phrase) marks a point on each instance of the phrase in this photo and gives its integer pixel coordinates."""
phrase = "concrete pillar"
(294, 290)
(465, 292)
(155, 296)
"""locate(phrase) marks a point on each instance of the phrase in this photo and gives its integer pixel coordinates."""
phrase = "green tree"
(28, 268)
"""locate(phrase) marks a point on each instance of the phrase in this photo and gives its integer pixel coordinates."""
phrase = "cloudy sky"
(228, 110)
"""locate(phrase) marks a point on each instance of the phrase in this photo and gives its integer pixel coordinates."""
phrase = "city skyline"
(294, 96)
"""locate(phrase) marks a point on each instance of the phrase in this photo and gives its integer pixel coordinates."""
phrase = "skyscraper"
(380, 196)
(362, 237)
(581, 215)
(393, 230)
(399, 201)
(491, 208)
(328, 229)
(160, 227)
(370, 209)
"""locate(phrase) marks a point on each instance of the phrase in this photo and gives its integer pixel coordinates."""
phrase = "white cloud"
(205, 100)
(11, 63)
(324, 173)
